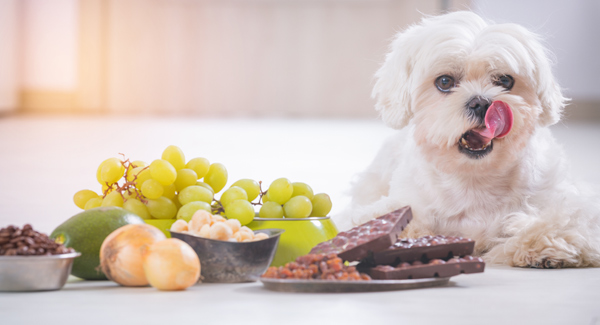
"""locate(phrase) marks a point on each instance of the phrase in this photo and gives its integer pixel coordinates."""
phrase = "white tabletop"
(500, 295)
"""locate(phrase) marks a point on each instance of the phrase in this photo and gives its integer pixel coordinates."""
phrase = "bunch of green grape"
(170, 188)
(293, 200)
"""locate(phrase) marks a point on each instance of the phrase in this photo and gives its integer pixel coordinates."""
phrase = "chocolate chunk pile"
(316, 266)
(26, 241)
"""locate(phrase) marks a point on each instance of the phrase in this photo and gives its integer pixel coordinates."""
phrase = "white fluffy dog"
(473, 156)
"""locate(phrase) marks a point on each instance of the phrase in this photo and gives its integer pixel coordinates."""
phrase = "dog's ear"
(550, 94)
(392, 87)
(548, 91)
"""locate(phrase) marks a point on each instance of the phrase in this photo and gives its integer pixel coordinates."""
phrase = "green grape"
(82, 197)
(187, 211)
(136, 207)
(185, 178)
(133, 172)
(93, 203)
(112, 170)
(113, 199)
(138, 163)
(162, 171)
(271, 210)
(195, 193)
(162, 208)
(297, 207)
(242, 210)
(233, 193)
(169, 191)
(129, 195)
(251, 187)
(216, 177)
(201, 183)
(199, 165)
(302, 189)
(99, 173)
(175, 156)
(142, 176)
(321, 205)
(280, 190)
(152, 189)
(265, 197)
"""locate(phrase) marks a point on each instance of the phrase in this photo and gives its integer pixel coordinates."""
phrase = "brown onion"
(171, 264)
(121, 253)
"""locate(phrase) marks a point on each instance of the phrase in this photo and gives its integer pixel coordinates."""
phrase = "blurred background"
(269, 88)
(247, 58)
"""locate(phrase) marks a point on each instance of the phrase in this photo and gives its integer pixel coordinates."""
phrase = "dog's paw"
(548, 263)
(548, 258)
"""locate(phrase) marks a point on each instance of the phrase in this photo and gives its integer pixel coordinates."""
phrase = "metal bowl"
(229, 262)
(35, 273)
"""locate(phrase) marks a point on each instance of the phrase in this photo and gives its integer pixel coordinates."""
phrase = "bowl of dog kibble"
(31, 261)
(228, 251)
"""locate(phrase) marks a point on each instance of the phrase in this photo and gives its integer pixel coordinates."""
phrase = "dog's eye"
(505, 81)
(444, 83)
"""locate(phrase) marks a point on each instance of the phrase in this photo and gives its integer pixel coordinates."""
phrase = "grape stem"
(127, 185)
(260, 194)
(217, 207)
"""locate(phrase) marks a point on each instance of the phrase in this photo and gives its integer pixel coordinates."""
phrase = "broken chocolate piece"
(418, 270)
(424, 249)
(361, 241)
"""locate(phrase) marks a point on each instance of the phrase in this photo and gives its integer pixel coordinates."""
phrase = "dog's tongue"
(498, 121)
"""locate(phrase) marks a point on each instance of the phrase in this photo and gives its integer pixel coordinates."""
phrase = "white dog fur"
(518, 202)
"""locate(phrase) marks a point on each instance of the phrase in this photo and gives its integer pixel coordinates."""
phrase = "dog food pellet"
(26, 241)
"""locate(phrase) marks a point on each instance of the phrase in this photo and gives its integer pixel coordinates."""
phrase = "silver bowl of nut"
(30, 261)
(228, 252)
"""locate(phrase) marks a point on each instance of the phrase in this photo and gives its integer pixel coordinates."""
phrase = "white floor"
(44, 160)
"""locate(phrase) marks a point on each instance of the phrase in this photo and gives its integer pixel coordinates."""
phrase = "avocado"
(85, 233)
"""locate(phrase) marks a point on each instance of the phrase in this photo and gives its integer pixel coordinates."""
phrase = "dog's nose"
(478, 106)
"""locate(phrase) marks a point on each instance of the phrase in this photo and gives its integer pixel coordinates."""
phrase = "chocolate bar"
(424, 249)
(435, 268)
(359, 242)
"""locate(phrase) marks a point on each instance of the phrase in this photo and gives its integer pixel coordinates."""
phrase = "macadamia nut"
(234, 224)
(220, 231)
(199, 219)
(204, 224)
(179, 226)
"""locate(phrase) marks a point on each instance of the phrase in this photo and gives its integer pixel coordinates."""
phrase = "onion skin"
(171, 264)
(121, 253)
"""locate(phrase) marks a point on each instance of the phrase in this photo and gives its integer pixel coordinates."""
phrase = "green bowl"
(300, 235)
(163, 224)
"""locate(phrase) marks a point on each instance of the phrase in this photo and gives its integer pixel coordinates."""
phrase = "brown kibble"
(27, 242)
